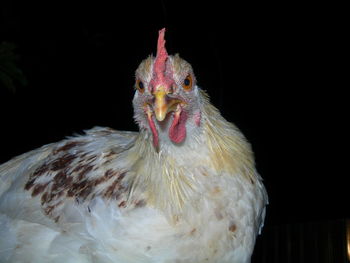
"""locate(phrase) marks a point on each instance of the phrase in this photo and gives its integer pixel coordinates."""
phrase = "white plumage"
(183, 189)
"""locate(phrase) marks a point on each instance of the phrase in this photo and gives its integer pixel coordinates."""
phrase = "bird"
(183, 188)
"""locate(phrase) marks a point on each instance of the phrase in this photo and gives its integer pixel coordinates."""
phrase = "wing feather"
(41, 183)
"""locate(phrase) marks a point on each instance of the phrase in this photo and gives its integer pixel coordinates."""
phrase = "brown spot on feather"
(193, 231)
(41, 169)
(62, 162)
(91, 158)
(61, 180)
(49, 209)
(83, 155)
(204, 173)
(70, 193)
(68, 176)
(110, 154)
(110, 190)
(38, 189)
(98, 181)
(44, 198)
(85, 170)
(110, 173)
(84, 193)
(114, 189)
(122, 204)
(232, 228)
(78, 167)
(29, 184)
(68, 146)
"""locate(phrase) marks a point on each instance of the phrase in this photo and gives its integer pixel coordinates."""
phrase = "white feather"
(110, 196)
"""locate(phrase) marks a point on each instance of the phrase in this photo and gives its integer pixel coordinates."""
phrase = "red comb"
(162, 55)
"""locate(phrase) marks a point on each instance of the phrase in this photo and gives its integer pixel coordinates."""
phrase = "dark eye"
(187, 84)
(139, 85)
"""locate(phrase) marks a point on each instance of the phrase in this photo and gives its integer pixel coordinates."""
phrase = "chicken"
(182, 189)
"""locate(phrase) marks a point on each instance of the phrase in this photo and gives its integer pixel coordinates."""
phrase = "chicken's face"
(166, 100)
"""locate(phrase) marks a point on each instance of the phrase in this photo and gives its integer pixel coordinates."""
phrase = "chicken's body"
(152, 196)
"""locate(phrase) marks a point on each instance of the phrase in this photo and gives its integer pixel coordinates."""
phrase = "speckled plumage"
(193, 195)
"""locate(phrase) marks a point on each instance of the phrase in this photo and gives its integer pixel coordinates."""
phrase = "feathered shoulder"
(77, 169)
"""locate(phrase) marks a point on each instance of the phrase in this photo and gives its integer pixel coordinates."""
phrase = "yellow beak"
(164, 104)
(160, 104)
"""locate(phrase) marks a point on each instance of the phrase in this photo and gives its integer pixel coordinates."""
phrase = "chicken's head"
(166, 101)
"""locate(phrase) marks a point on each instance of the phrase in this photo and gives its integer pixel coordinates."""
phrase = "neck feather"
(170, 177)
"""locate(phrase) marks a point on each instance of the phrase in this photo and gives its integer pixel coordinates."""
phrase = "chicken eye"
(187, 84)
(139, 85)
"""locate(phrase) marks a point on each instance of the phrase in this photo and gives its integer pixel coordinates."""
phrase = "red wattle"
(177, 131)
(154, 131)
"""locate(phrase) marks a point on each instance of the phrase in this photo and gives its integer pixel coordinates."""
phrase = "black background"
(272, 69)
